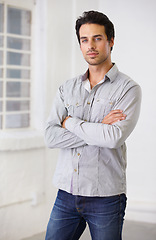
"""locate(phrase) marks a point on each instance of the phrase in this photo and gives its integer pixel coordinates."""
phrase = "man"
(91, 118)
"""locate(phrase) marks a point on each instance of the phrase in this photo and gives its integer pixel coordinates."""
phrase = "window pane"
(1, 41)
(1, 89)
(16, 43)
(18, 21)
(1, 58)
(1, 17)
(1, 72)
(18, 89)
(17, 105)
(18, 59)
(1, 106)
(17, 73)
(0, 122)
(17, 121)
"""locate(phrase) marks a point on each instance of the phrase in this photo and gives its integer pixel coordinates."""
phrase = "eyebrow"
(97, 35)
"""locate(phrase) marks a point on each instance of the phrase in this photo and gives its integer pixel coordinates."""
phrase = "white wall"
(134, 53)
(27, 174)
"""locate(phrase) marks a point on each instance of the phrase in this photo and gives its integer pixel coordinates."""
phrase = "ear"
(111, 42)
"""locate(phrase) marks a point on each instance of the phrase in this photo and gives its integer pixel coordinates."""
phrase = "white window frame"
(32, 137)
(6, 66)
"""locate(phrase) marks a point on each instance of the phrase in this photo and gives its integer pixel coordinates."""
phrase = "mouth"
(92, 54)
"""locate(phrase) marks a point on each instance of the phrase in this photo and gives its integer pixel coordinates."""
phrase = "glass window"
(18, 21)
(15, 66)
(1, 41)
(1, 58)
(1, 72)
(18, 59)
(17, 43)
(1, 105)
(18, 73)
(17, 121)
(17, 89)
(1, 89)
(17, 105)
(1, 17)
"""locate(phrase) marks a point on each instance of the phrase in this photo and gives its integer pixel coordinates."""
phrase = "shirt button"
(75, 170)
(111, 103)
(88, 103)
(78, 154)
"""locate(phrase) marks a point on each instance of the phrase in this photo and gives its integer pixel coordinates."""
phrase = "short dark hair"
(96, 18)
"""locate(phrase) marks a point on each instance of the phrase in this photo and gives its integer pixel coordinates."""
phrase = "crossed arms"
(63, 131)
(111, 118)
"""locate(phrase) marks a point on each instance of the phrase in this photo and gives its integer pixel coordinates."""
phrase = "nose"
(91, 45)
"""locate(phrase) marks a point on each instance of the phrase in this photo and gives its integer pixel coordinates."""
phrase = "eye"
(97, 39)
(84, 41)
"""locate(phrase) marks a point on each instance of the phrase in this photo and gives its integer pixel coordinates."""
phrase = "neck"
(97, 73)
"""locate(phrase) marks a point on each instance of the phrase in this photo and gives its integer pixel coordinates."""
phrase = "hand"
(63, 123)
(114, 116)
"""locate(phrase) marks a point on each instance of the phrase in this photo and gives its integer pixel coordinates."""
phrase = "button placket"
(88, 106)
(76, 173)
(76, 162)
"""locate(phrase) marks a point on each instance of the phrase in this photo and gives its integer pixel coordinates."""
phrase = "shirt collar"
(86, 84)
(111, 74)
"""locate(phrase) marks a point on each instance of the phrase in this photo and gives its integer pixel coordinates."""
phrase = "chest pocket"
(74, 108)
(101, 107)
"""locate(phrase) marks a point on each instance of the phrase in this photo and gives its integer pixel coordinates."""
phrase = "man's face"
(94, 45)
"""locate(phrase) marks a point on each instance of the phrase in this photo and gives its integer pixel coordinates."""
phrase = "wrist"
(64, 121)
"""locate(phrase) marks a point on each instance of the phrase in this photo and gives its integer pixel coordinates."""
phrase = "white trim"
(25, 4)
(21, 140)
(39, 70)
(18, 112)
(28, 138)
(5, 66)
(17, 67)
(141, 211)
(73, 46)
(18, 51)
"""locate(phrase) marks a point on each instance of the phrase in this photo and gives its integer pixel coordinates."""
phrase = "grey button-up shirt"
(92, 159)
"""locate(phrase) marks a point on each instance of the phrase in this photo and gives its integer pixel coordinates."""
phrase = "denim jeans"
(104, 216)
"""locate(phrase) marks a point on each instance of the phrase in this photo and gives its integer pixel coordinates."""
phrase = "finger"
(119, 117)
(113, 112)
(116, 111)
(114, 116)
(115, 120)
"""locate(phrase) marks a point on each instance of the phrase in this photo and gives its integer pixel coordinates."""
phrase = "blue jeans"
(70, 214)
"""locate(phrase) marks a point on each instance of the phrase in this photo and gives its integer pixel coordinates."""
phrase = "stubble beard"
(95, 63)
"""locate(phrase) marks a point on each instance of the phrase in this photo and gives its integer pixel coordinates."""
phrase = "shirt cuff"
(71, 123)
